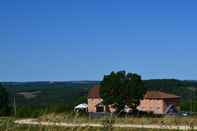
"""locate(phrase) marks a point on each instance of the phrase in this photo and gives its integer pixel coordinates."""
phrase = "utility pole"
(14, 105)
(194, 100)
(192, 95)
(14, 101)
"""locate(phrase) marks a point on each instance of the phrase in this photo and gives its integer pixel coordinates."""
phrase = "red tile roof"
(159, 95)
(94, 92)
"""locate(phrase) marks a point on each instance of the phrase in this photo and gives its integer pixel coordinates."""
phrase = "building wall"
(152, 105)
(157, 106)
(92, 102)
(111, 109)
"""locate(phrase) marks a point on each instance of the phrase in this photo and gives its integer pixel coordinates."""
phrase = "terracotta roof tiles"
(159, 95)
(94, 92)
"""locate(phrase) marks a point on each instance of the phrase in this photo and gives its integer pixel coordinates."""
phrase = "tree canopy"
(4, 101)
(121, 88)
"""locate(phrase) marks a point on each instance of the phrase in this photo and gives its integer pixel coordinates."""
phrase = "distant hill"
(186, 89)
(49, 92)
(170, 83)
(49, 83)
(72, 92)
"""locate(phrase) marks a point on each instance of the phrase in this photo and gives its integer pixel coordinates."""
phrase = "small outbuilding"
(95, 101)
(160, 103)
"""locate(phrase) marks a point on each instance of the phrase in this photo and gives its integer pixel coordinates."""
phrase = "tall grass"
(77, 118)
(36, 111)
(7, 124)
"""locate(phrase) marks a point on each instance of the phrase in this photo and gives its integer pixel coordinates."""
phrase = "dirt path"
(35, 122)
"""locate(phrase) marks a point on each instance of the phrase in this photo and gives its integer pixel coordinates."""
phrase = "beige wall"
(111, 109)
(92, 104)
(152, 105)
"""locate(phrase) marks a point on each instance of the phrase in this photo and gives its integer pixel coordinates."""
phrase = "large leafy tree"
(4, 101)
(121, 88)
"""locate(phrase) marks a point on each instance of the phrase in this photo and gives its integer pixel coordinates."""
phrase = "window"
(99, 109)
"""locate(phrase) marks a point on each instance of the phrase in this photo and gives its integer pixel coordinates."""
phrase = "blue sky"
(85, 39)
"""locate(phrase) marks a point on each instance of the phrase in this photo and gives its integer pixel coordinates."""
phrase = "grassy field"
(7, 124)
(70, 118)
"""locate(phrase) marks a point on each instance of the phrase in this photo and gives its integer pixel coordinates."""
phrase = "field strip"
(35, 122)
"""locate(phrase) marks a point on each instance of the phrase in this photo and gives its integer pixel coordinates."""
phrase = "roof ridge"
(159, 94)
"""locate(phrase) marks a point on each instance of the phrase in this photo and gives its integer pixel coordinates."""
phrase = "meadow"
(7, 124)
(164, 120)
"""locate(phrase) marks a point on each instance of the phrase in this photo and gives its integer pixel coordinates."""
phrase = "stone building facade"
(159, 103)
(95, 101)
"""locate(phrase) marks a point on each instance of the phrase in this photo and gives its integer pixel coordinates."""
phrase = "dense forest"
(42, 94)
(46, 93)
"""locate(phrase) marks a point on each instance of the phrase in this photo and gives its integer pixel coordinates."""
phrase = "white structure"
(81, 107)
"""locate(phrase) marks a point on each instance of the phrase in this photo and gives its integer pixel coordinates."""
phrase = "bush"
(4, 102)
(108, 123)
(137, 113)
(36, 111)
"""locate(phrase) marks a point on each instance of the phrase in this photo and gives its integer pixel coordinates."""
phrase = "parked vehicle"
(185, 114)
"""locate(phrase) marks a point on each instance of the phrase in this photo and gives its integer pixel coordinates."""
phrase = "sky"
(62, 40)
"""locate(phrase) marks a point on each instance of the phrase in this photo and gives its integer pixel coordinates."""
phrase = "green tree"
(4, 101)
(121, 88)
